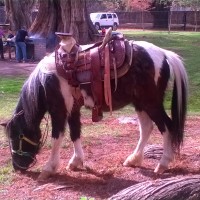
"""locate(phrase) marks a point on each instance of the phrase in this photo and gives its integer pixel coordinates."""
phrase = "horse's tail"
(179, 98)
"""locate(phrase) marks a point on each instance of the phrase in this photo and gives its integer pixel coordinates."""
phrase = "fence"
(160, 19)
(150, 19)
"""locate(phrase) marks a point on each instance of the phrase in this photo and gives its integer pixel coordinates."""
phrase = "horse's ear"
(4, 124)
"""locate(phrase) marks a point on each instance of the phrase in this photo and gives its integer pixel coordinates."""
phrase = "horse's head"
(24, 142)
(89, 102)
(87, 95)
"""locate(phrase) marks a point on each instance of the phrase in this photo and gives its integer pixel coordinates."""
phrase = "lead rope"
(46, 131)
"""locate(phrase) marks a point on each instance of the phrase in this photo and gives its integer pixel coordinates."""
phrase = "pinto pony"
(143, 85)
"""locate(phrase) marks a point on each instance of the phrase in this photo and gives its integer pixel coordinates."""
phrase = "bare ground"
(103, 174)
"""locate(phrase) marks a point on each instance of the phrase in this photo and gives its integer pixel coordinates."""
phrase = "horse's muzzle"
(22, 163)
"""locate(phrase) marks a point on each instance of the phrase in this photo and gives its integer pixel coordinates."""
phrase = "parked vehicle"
(105, 20)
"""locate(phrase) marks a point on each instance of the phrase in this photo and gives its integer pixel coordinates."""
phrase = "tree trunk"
(45, 21)
(153, 151)
(53, 16)
(181, 188)
(19, 13)
(67, 16)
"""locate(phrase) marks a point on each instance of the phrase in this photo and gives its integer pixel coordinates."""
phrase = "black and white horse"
(144, 86)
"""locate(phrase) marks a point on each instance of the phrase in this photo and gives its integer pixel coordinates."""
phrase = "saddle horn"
(106, 39)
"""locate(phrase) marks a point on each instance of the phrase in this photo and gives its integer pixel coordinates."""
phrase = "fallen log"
(153, 151)
(176, 188)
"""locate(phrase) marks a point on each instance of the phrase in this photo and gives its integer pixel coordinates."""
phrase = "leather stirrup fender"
(96, 84)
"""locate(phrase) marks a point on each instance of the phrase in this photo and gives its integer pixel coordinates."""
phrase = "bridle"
(22, 138)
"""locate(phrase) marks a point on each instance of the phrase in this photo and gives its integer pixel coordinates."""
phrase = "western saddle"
(96, 64)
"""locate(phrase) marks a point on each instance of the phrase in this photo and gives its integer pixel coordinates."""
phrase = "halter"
(20, 152)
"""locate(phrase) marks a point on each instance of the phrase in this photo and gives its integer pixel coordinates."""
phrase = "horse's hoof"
(127, 163)
(160, 169)
(75, 164)
(133, 161)
(72, 167)
(44, 175)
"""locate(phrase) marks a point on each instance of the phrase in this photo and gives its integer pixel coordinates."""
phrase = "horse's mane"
(30, 90)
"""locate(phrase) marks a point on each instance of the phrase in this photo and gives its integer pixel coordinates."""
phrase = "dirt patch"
(13, 68)
(103, 174)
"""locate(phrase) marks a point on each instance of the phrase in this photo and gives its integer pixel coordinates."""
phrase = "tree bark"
(45, 21)
(153, 151)
(19, 13)
(181, 188)
(67, 16)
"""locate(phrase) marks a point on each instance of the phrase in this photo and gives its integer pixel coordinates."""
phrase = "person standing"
(21, 36)
(1, 43)
(10, 42)
(10, 34)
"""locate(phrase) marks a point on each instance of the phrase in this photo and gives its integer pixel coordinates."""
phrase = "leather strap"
(107, 87)
(96, 84)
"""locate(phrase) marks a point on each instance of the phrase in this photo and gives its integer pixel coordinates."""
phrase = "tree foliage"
(193, 4)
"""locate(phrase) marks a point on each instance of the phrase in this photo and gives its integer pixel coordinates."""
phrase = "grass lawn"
(9, 94)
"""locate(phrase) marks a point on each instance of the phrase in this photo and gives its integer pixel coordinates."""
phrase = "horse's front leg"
(145, 126)
(75, 131)
(52, 165)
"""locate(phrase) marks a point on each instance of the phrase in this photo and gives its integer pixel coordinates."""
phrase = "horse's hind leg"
(168, 154)
(146, 126)
(163, 122)
(75, 130)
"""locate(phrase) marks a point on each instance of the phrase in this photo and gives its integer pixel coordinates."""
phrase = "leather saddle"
(95, 64)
